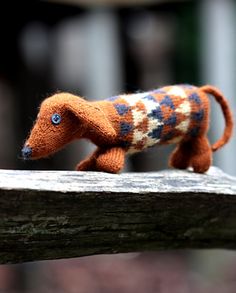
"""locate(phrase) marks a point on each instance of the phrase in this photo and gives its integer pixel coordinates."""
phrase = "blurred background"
(98, 49)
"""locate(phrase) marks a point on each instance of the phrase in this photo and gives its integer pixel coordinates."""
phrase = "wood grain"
(64, 214)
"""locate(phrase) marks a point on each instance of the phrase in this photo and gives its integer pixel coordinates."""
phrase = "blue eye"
(56, 119)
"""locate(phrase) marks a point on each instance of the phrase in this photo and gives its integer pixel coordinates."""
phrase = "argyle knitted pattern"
(162, 116)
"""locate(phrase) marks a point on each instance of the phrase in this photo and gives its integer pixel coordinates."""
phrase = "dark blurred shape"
(8, 118)
(136, 273)
(90, 3)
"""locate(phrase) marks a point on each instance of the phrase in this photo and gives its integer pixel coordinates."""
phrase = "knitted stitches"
(162, 116)
(131, 123)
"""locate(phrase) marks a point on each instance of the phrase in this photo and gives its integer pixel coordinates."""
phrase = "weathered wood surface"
(50, 215)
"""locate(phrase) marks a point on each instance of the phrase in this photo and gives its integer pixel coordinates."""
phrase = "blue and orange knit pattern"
(130, 123)
(162, 116)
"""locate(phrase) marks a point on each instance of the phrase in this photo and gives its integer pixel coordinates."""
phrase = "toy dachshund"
(130, 123)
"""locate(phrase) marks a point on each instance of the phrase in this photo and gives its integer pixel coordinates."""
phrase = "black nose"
(26, 152)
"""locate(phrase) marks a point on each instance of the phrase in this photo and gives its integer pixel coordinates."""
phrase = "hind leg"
(181, 156)
(201, 154)
(196, 153)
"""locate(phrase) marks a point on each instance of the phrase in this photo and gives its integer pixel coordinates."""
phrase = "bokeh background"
(98, 49)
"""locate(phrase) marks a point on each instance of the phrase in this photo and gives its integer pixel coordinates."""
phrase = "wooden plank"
(60, 214)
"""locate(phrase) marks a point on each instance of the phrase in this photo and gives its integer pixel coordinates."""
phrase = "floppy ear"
(93, 116)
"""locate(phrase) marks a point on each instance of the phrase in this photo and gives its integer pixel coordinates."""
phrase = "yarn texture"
(130, 123)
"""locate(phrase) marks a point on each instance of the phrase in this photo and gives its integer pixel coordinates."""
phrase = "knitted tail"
(227, 115)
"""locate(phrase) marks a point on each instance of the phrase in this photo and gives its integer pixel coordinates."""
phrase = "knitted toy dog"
(131, 123)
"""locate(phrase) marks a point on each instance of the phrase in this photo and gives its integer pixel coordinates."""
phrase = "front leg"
(111, 160)
(89, 164)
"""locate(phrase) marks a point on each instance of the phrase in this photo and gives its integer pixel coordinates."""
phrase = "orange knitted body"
(131, 123)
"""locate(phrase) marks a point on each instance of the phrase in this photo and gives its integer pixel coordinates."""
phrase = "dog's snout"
(26, 152)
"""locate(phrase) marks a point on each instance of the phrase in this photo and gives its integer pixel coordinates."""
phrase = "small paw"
(201, 163)
(85, 165)
(179, 160)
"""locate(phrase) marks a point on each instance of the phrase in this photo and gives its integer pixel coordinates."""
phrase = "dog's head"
(62, 118)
